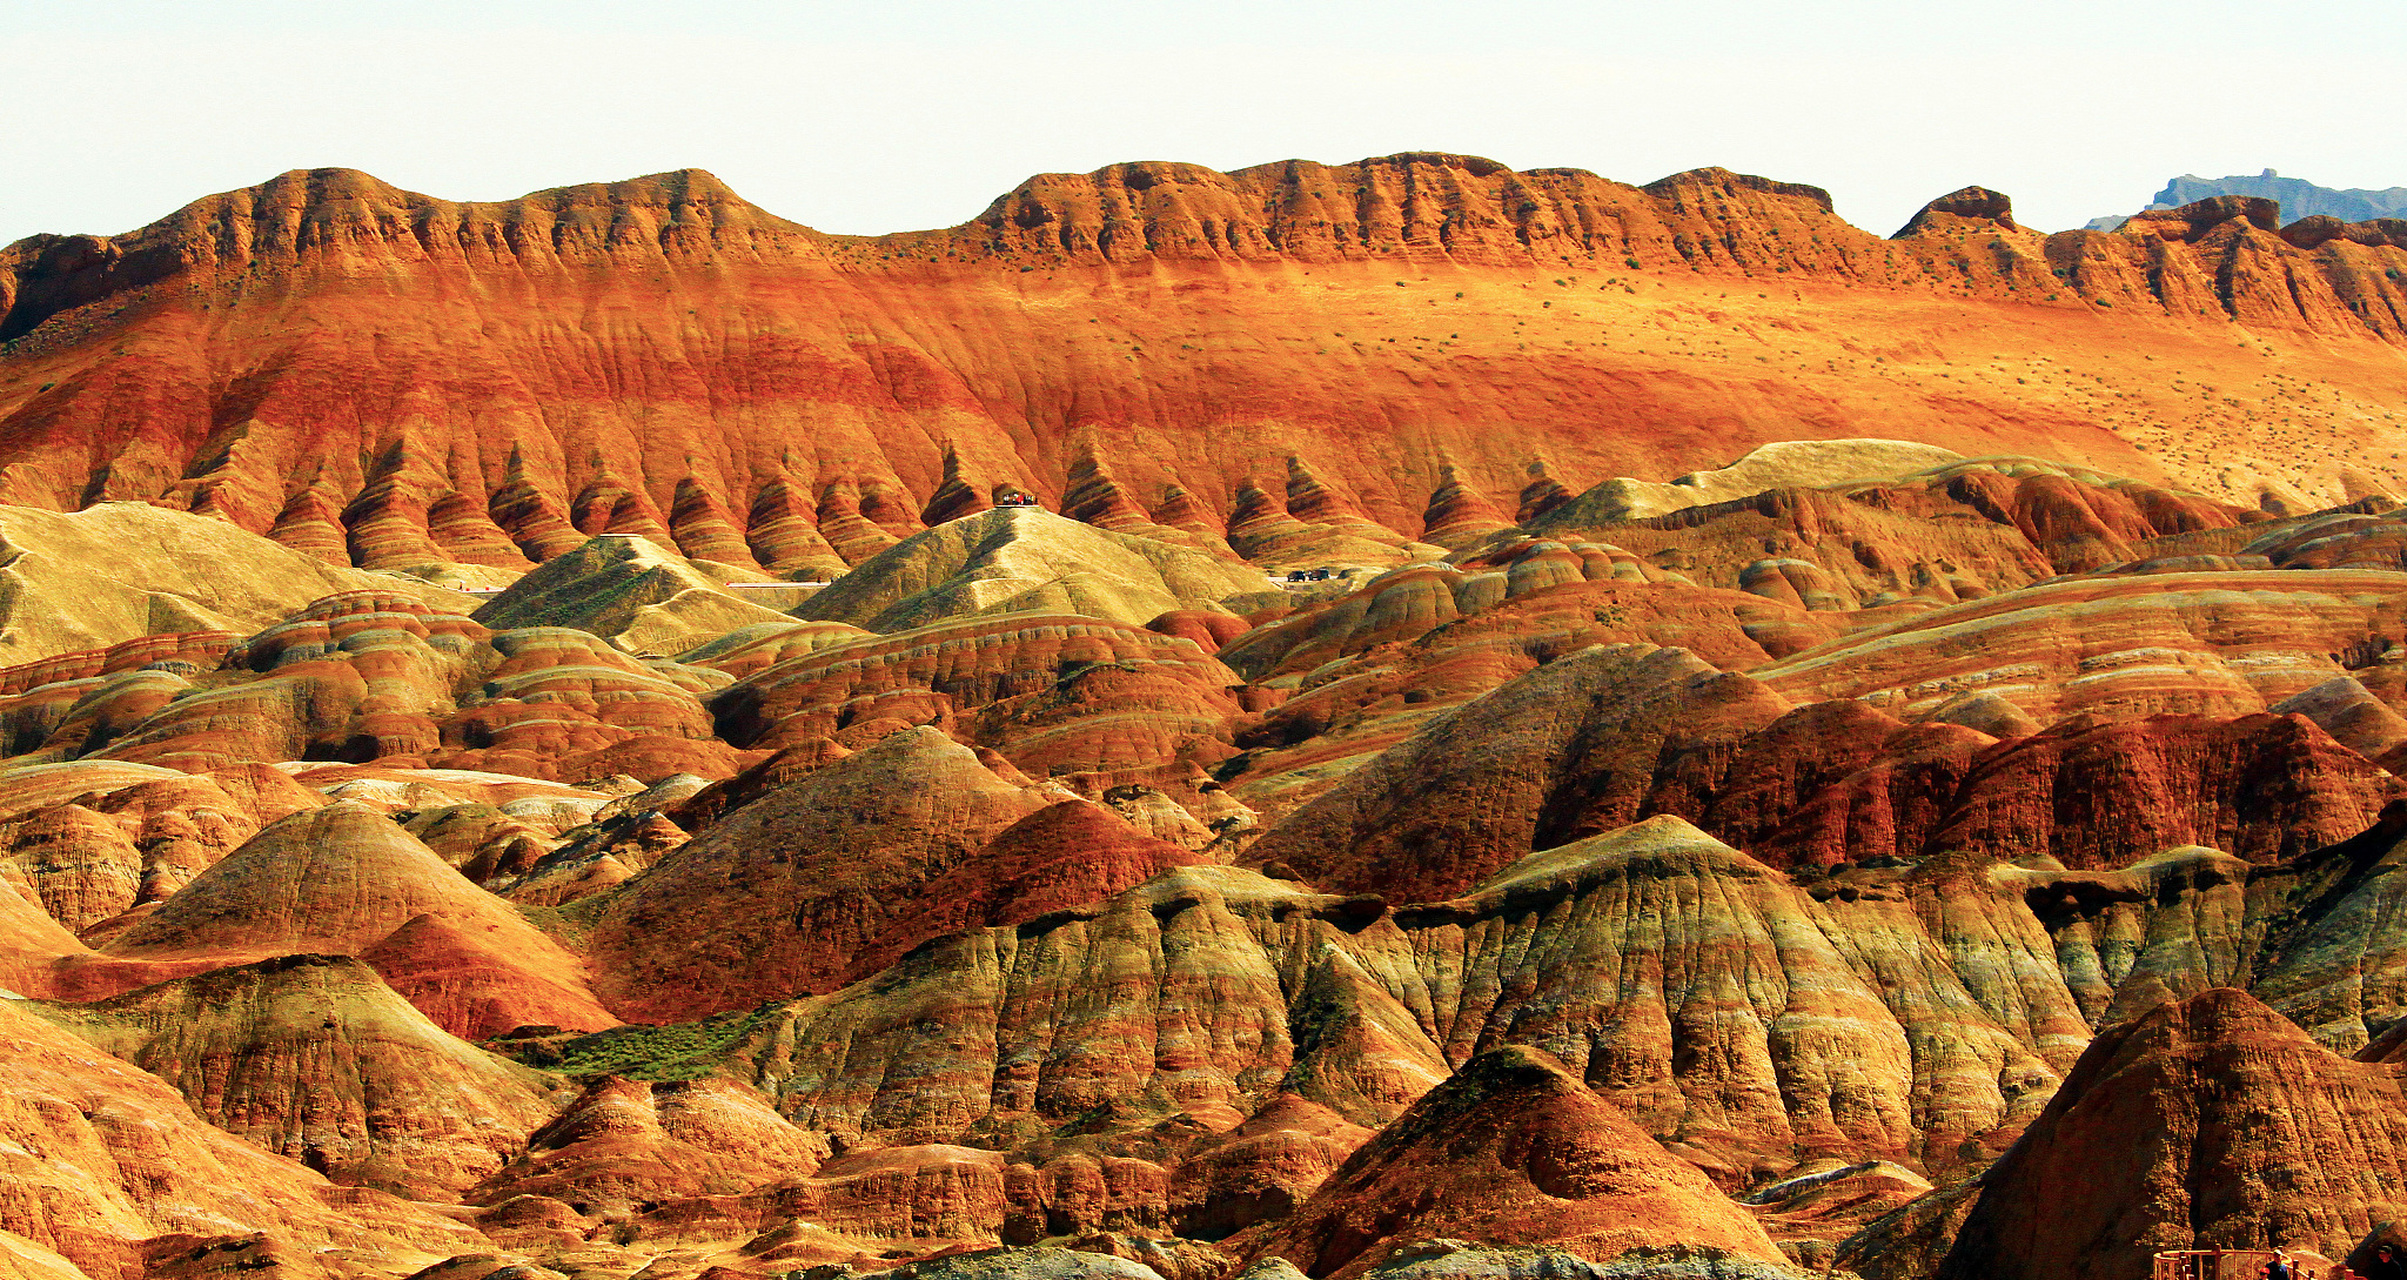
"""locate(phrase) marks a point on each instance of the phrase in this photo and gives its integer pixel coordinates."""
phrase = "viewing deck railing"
(2241, 1264)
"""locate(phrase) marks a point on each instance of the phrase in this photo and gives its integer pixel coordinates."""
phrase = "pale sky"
(916, 113)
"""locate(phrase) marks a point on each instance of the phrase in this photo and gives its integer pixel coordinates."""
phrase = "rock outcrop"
(623, 587)
(1176, 718)
(834, 876)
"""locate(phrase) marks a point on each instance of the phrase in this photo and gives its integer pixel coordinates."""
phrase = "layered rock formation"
(1022, 559)
(344, 879)
(625, 588)
(1600, 318)
(2156, 1141)
(315, 1059)
(1511, 1150)
(118, 572)
(1179, 719)
(111, 1171)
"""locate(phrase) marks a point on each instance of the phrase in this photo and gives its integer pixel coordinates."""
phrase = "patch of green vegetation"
(677, 1051)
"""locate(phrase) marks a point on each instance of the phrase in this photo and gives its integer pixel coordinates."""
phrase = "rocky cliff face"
(387, 379)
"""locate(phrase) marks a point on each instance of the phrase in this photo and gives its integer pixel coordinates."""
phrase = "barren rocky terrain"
(1407, 719)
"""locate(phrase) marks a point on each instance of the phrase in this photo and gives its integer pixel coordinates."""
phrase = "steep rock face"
(2335, 969)
(1170, 997)
(313, 1058)
(772, 427)
(1973, 983)
(1209, 993)
(2157, 1141)
(1513, 1150)
(102, 1157)
(2218, 254)
(2169, 925)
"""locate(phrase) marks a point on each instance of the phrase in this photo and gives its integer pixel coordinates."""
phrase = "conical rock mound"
(1511, 1150)
(2213, 1122)
(780, 896)
(341, 880)
(624, 586)
(315, 1059)
(1015, 559)
(623, 1141)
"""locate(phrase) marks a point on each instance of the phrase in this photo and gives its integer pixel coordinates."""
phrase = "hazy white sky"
(915, 113)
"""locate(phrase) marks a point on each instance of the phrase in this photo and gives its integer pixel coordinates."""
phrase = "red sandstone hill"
(1511, 1150)
(388, 379)
(2210, 1123)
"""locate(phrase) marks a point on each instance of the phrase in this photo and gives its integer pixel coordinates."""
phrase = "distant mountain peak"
(2298, 197)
